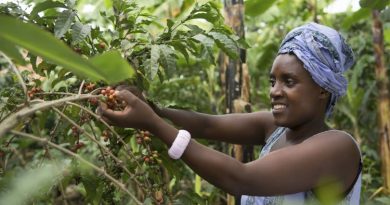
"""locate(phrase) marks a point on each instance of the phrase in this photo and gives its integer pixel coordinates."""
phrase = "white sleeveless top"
(352, 198)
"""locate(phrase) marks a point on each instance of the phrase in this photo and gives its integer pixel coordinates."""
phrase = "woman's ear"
(324, 93)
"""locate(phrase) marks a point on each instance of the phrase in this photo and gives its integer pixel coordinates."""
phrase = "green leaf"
(223, 29)
(170, 23)
(194, 30)
(208, 11)
(181, 47)
(383, 199)
(225, 43)
(210, 17)
(92, 185)
(242, 42)
(70, 3)
(386, 34)
(207, 43)
(11, 51)
(44, 6)
(32, 183)
(113, 66)
(79, 32)
(192, 46)
(63, 23)
(385, 15)
(257, 7)
(42, 43)
(61, 76)
(168, 60)
(266, 56)
(362, 13)
(108, 3)
(154, 56)
(374, 4)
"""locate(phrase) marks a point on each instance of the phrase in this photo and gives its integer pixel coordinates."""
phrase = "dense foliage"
(58, 151)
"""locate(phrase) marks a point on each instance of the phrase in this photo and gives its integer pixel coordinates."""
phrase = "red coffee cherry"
(77, 50)
(147, 139)
(139, 140)
(80, 145)
(146, 159)
(77, 146)
(102, 45)
(158, 195)
(75, 131)
(31, 93)
(93, 101)
(106, 134)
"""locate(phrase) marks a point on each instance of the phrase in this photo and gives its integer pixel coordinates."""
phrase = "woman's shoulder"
(335, 134)
(335, 140)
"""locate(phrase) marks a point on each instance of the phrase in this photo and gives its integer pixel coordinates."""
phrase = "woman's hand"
(136, 114)
(137, 92)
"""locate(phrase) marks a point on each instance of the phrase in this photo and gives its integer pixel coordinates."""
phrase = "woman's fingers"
(122, 87)
(108, 121)
(110, 116)
(127, 96)
(130, 116)
(133, 89)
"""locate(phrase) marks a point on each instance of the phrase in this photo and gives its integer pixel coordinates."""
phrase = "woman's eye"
(290, 82)
(272, 82)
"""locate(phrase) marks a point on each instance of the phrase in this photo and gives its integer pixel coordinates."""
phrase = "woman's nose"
(276, 90)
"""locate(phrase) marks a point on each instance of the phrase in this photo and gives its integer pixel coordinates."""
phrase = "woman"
(301, 154)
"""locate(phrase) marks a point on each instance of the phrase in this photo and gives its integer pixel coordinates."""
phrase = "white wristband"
(180, 144)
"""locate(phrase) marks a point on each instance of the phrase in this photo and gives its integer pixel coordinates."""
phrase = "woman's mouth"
(277, 108)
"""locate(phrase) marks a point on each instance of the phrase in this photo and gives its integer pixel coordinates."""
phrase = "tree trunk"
(383, 99)
(235, 80)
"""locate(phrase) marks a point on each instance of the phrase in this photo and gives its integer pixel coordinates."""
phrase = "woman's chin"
(279, 122)
(282, 121)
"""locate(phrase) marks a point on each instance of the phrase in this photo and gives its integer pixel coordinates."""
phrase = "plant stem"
(11, 121)
(51, 133)
(127, 149)
(118, 161)
(55, 93)
(100, 149)
(101, 171)
(81, 87)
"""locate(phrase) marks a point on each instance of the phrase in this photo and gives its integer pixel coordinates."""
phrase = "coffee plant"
(55, 68)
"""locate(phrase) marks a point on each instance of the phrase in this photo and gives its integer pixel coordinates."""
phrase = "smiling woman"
(291, 93)
(301, 154)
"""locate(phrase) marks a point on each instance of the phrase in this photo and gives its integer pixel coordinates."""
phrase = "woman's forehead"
(288, 63)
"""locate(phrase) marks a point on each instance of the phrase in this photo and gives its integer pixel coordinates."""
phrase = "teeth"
(277, 107)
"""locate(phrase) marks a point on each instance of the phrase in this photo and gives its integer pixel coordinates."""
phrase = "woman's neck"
(300, 133)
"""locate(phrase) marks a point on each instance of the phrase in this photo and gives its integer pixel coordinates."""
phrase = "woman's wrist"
(156, 108)
(163, 130)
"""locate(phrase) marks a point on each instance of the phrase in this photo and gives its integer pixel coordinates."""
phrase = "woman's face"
(295, 98)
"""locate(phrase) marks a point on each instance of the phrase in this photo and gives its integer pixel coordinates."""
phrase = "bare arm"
(329, 155)
(239, 128)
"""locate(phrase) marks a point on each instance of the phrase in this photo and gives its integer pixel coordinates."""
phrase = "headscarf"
(325, 55)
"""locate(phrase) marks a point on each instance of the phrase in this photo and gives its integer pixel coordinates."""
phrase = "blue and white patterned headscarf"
(325, 55)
